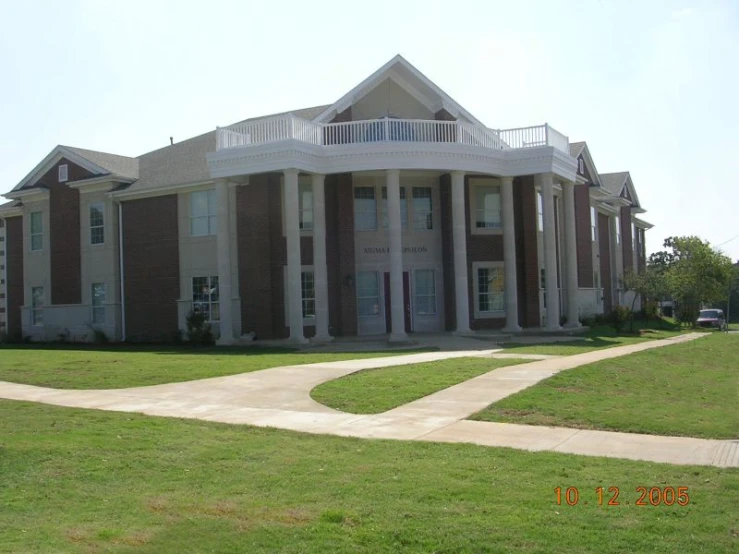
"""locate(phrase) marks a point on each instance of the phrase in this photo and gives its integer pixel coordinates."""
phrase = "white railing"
(288, 127)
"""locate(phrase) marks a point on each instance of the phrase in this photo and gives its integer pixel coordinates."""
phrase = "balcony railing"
(276, 129)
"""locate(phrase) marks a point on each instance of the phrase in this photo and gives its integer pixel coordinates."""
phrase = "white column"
(459, 235)
(617, 261)
(223, 247)
(397, 319)
(319, 258)
(573, 315)
(509, 256)
(294, 290)
(550, 251)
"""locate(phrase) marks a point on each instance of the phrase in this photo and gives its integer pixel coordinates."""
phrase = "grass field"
(686, 389)
(91, 481)
(374, 391)
(80, 367)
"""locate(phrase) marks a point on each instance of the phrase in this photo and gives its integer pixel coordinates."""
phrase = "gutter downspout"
(122, 273)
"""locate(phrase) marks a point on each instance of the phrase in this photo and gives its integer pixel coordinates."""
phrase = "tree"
(694, 273)
(649, 284)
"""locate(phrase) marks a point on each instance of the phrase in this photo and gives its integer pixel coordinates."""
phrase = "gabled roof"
(615, 183)
(95, 162)
(409, 78)
(578, 149)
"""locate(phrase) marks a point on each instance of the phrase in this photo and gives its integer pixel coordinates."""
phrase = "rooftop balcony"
(387, 130)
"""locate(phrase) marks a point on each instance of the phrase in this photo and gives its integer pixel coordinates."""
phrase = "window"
(487, 207)
(618, 230)
(37, 305)
(98, 303)
(593, 224)
(368, 294)
(403, 209)
(425, 291)
(37, 231)
(490, 290)
(203, 215)
(97, 224)
(365, 209)
(205, 297)
(63, 173)
(634, 238)
(423, 216)
(539, 211)
(308, 288)
(581, 166)
(596, 279)
(305, 205)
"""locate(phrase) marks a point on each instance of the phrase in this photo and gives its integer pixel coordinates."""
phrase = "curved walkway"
(280, 397)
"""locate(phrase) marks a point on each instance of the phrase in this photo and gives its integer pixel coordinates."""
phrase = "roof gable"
(405, 75)
(580, 150)
(97, 163)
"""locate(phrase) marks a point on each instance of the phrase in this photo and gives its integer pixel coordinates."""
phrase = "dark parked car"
(712, 319)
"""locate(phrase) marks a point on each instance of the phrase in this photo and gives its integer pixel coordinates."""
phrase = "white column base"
(225, 341)
(575, 325)
(514, 329)
(463, 332)
(298, 340)
(398, 337)
(553, 329)
(319, 339)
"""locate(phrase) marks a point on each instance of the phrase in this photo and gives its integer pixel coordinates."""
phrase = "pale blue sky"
(652, 86)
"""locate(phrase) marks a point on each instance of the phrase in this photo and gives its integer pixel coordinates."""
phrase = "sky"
(652, 86)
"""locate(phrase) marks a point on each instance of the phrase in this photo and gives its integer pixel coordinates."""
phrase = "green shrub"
(619, 316)
(198, 329)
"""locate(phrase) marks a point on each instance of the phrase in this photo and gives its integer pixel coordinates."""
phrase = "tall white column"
(459, 236)
(319, 258)
(573, 315)
(223, 248)
(397, 310)
(294, 270)
(509, 256)
(617, 261)
(550, 251)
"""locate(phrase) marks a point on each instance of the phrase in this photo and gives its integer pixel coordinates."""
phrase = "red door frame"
(406, 302)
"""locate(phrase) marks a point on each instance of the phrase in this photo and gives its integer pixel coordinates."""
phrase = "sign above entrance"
(422, 249)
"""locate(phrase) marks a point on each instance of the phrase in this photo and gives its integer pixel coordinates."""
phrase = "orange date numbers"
(647, 496)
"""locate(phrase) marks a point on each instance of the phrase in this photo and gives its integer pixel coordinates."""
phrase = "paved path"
(280, 397)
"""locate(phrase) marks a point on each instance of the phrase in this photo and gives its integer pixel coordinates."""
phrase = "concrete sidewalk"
(280, 398)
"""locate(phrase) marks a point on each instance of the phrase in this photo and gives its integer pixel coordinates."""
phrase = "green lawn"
(597, 338)
(685, 389)
(374, 391)
(81, 367)
(90, 481)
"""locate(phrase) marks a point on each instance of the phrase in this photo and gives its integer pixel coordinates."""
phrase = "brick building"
(392, 210)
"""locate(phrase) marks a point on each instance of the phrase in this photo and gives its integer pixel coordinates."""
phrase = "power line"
(727, 241)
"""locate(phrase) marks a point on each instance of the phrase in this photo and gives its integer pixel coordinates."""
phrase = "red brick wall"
(583, 236)
(152, 267)
(604, 247)
(14, 266)
(64, 234)
(626, 244)
(340, 254)
(524, 200)
(447, 252)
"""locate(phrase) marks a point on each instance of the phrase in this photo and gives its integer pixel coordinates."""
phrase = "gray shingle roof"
(614, 182)
(576, 148)
(122, 166)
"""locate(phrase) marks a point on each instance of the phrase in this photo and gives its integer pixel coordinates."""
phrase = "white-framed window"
(424, 281)
(203, 213)
(634, 238)
(308, 290)
(487, 207)
(403, 209)
(305, 205)
(63, 173)
(581, 166)
(618, 230)
(37, 306)
(368, 294)
(365, 209)
(205, 298)
(593, 224)
(37, 231)
(97, 223)
(98, 303)
(423, 209)
(489, 289)
(539, 211)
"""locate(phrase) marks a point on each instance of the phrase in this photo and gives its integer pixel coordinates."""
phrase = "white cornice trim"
(125, 194)
(29, 195)
(86, 185)
(11, 211)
